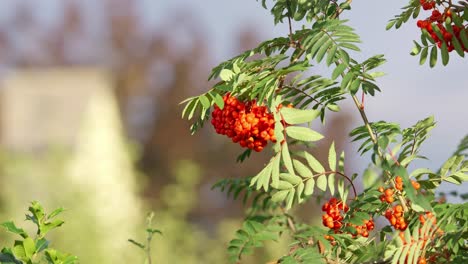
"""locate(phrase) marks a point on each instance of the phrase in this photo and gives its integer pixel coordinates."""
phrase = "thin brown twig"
(290, 24)
(393, 156)
(342, 175)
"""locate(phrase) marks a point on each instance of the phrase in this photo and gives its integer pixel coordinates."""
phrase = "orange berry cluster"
(387, 194)
(333, 216)
(439, 18)
(395, 217)
(364, 229)
(333, 219)
(246, 123)
(399, 184)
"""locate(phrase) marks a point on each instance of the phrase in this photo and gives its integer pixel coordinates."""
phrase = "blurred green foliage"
(26, 177)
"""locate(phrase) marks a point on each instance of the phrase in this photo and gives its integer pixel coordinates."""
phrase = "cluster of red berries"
(333, 218)
(395, 217)
(439, 18)
(364, 229)
(247, 123)
(427, 5)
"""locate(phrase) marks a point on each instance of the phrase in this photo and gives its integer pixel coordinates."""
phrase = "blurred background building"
(90, 117)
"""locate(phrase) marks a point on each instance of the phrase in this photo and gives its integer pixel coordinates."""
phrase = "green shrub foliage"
(31, 249)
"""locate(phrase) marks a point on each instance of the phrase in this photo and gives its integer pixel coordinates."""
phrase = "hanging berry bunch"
(444, 29)
(333, 218)
(246, 123)
(448, 30)
(395, 214)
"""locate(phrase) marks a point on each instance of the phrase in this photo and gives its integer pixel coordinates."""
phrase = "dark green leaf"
(338, 70)
(423, 57)
(444, 53)
(433, 57)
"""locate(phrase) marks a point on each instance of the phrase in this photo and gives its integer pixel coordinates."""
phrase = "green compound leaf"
(226, 75)
(279, 196)
(464, 37)
(303, 133)
(458, 47)
(204, 101)
(416, 49)
(219, 100)
(309, 187)
(291, 178)
(284, 185)
(332, 157)
(302, 169)
(264, 178)
(444, 53)
(275, 171)
(322, 182)
(331, 183)
(313, 163)
(300, 192)
(286, 157)
(331, 55)
(390, 24)
(347, 79)
(295, 116)
(353, 88)
(290, 199)
(338, 71)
